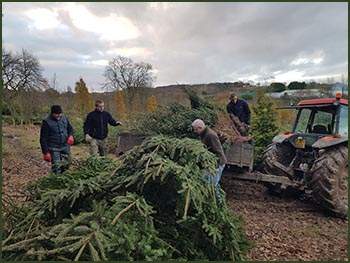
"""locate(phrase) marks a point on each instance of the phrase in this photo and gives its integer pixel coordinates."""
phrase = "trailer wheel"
(282, 153)
(328, 181)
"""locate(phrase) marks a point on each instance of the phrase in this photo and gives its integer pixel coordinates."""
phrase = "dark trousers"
(61, 159)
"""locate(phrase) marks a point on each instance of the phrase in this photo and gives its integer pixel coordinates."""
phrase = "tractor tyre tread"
(324, 181)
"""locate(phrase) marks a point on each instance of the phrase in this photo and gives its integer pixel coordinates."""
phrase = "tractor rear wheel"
(328, 180)
(282, 153)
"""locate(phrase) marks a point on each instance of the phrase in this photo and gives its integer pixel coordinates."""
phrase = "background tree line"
(298, 85)
(27, 95)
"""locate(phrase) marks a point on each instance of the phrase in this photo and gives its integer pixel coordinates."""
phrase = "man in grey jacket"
(56, 137)
(212, 142)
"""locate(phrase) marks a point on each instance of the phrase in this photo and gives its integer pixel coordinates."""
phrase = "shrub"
(78, 126)
(264, 124)
(297, 85)
(176, 119)
(249, 95)
(276, 87)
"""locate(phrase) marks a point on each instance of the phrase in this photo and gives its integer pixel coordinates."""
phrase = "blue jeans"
(215, 180)
(60, 159)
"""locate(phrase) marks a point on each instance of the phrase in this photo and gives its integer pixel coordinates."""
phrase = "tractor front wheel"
(328, 180)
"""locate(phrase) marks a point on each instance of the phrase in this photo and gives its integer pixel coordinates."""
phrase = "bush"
(297, 85)
(112, 138)
(276, 87)
(249, 95)
(176, 119)
(78, 127)
(264, 124)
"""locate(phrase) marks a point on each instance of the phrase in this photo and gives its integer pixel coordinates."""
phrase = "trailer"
(238, 154)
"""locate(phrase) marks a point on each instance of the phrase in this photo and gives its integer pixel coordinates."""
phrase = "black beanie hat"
(56, 109)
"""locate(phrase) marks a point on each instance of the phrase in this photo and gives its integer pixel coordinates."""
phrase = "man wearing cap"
(96, 128)
(239, 108)
(56, 137)
(211, 140)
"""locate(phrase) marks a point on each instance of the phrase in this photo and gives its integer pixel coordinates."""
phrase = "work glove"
(70, 140)
(47, 157)
(88, 138)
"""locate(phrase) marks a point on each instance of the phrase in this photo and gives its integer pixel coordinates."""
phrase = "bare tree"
(123, 73)
(21, 76)
(20, 72)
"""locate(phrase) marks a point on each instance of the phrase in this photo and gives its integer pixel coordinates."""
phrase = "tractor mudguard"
(282, 137)
(329, 141)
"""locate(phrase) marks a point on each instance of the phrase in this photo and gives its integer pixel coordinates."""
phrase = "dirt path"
(281, 229)
(22, 161)
(285, 229)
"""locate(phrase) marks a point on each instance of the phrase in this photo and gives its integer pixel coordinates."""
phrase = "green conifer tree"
(264, 123)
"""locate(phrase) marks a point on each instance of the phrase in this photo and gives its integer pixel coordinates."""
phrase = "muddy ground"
(285, 228)
(279, 228)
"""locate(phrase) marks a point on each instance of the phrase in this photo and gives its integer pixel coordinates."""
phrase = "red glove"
(70, 140)
(47, 157)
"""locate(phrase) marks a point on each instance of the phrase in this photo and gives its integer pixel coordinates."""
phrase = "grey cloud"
(194, 42)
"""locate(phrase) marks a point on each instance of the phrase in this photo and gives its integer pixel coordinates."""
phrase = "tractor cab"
(319, 122)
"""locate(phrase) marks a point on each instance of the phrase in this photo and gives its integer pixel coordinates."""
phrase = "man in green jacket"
(212, 142)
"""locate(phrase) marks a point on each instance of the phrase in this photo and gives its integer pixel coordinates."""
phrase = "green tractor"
(315, 154)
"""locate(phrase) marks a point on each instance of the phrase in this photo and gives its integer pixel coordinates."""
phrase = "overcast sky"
(185, 42)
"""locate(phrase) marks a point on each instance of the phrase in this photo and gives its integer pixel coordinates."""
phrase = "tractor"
(312, 159)
(314, 156)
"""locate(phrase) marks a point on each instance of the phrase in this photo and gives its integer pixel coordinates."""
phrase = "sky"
(187, 43)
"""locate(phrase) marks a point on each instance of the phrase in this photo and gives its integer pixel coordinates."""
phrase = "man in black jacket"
(56, 136)
(96, 128)
(239, 108)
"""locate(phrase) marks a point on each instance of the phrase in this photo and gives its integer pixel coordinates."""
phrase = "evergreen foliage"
(277, 87)
(153, 204)
(264, 123)
(297, 85)
(83, 99)
(176, 119)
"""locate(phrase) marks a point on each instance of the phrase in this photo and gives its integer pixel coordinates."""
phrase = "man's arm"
(247, 112)
(70, 129)
(87, 124)
(217, 148)
(228, 108)
(112, 121)
(44, 135)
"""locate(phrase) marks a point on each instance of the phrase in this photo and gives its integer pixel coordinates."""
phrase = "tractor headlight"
(300, 143)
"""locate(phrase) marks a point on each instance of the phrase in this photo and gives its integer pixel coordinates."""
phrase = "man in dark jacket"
(239, 108)
(211, 140)
(96, 128)
(56, 136)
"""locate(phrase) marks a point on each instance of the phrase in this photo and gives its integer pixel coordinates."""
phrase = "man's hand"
(70, 140)
(88, 138)
(119, 123)
(47, 157)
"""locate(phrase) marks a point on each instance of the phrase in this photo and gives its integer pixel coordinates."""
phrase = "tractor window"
(322, 122)
(343, 121)
(304, 116)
